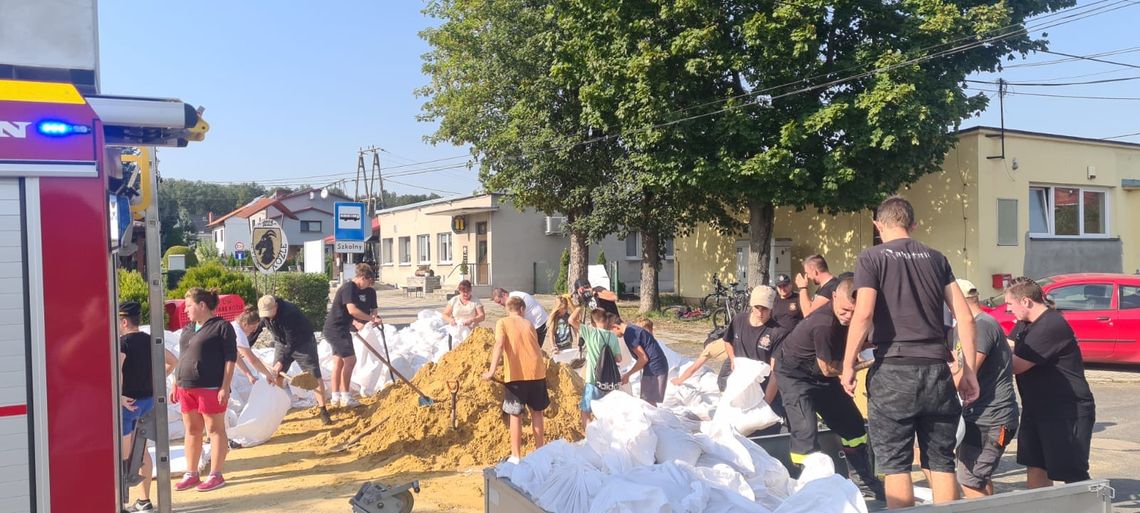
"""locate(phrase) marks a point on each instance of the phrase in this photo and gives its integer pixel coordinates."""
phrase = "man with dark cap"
(136, 389)
(294, 341)
(601, 299)
(786, 310)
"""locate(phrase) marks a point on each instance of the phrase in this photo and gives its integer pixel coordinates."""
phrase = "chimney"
(210, 218)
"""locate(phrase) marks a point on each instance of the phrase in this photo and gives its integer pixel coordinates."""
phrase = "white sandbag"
(620, 495)
(720, 445)
(747, 421)
(535, 468)
(816, 466)
(771, 481)
(178, 459)
(831, 494)
(620, 432)
(675, 445)
(726, 478)
(267, 407)
(742, 389)
(569, 490)
(685, 492)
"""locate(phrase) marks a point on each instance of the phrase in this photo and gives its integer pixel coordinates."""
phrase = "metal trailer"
(1094, 496)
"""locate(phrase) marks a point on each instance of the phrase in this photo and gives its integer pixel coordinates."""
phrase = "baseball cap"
(968, 287)
(130, 309)
(581, 282)
(783, 279)
(762, 295)
(267, 306)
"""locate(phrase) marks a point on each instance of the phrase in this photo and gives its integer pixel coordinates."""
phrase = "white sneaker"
(349, 402)
(513, 460)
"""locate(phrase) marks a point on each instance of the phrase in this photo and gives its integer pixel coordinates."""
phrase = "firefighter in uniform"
(808, 367)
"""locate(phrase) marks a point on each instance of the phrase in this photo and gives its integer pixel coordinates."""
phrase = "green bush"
(206, 252)
(213, 275)
(309, 291)
(173, 278)
(132, 287)
(601, 258)
(560, 285)
(191, 258)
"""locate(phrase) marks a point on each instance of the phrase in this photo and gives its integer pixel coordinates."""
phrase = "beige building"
(503, 246)
(1051, 204)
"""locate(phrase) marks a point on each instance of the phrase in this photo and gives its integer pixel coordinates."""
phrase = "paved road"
(1116, 440)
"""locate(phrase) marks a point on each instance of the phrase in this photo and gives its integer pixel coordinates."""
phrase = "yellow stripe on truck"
(39, 92)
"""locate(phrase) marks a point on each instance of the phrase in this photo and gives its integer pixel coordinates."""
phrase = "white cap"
(764, 296)
(968, 287)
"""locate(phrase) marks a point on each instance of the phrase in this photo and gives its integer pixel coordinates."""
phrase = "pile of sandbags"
(640, 458)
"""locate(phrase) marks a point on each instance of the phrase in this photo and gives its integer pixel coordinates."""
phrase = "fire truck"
(66, 201)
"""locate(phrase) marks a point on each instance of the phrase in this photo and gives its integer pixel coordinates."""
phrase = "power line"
(1094, 59)
(1041, 84)
(1071, 96)
(1121, 136)
(424, 188)
(1073, 59)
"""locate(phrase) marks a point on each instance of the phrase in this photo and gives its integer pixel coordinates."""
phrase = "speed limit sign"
(239, 246)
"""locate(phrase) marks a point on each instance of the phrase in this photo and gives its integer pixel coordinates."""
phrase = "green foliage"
(560, 286)
(309, 291)
(601, 258)
(182, 201)
(392, 199)
(133, 287)
(206, 252)
(213, 275)
(191, 258)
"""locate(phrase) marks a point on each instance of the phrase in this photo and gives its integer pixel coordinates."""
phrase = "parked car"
(1103, 309)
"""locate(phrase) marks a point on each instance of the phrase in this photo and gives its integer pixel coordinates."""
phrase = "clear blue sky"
(291, 90)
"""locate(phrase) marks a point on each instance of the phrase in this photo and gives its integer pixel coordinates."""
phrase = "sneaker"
(513, 460)
(188, 481)
(349, 402)
(141, 505)
(325, 418)
(214, 482)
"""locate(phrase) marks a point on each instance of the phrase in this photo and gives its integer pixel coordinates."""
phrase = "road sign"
(270, 247)
(348, 246)
(240, 255)
(239, 246)
(348, 220)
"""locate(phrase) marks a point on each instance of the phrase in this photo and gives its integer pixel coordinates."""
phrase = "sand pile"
(414, 438)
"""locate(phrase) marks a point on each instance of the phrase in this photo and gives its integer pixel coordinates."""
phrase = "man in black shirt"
(293, 341)
(755, 336)
(137, 391)
(808, 369)
(815, 270)
(901, 287)
(786, 310)
(349, 311)
(1058, 411)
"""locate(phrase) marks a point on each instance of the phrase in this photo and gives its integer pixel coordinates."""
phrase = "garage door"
(15, 468)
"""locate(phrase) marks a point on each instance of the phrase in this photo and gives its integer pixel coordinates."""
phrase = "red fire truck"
(65, 213)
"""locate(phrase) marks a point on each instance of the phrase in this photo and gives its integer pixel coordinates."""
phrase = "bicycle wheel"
(675, 311)
(710, 302)
(720, 318)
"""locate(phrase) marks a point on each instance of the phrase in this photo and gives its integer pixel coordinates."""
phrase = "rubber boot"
(859, 461)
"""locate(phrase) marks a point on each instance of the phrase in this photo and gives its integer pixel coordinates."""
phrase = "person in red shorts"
(206, 359)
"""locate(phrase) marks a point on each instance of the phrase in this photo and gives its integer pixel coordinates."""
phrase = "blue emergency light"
(53, 128)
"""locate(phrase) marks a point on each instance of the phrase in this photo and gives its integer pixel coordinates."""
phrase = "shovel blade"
(426, 401)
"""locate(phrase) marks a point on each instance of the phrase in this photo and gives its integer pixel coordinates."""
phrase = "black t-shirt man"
(910, 279)
(289, 326)
(1055, 387)
(339, 321)
(827, 290)
(820, 335)
(753, 342)
(786, 310)
(136, 366)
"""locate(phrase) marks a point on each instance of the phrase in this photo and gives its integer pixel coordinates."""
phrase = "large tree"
(499, 81)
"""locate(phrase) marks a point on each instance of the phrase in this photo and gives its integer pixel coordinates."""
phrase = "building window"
(444, 248)
(423, 244)
(1007, 222)
(1068, 212)
(633, 247)
(310, 227)
(405, 250)
(386, 252)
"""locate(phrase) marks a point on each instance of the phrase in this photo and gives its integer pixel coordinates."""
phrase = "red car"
(1103, 309)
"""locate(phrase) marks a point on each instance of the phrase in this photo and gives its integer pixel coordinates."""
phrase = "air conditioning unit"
(554, 225)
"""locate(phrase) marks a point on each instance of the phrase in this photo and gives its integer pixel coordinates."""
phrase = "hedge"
(213, 275)
(191, 257)
(309, 291)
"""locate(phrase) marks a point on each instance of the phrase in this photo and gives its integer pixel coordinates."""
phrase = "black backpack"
(607, 373)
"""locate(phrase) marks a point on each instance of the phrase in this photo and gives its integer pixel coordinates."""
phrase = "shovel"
(304, 380)
(424, 399)
(384, 340)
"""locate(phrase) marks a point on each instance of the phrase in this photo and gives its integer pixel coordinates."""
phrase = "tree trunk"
(760, 220)
(579, 258)
(650, 264)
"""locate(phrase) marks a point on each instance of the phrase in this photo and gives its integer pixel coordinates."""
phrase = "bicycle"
(724, 303)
